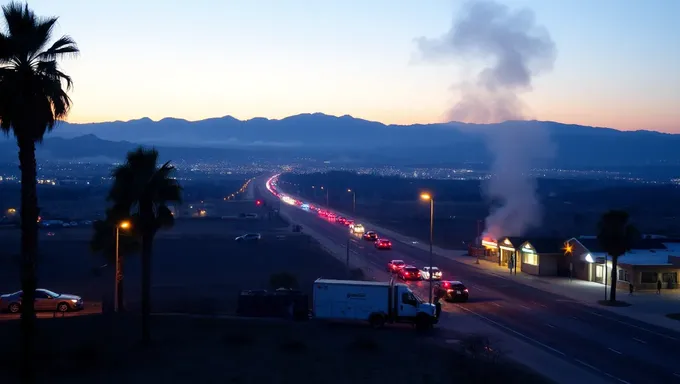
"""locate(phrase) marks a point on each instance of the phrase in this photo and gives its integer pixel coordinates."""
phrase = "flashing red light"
(258, 202)
(446, 284)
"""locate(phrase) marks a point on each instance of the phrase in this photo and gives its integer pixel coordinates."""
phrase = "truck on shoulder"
(376, 302)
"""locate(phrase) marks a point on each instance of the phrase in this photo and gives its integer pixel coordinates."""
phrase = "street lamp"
(326, 189)
(428, 197)
(568, 251)
(122, 225)
(354, 200)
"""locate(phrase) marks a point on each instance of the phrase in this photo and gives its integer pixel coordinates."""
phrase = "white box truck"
(372, 301)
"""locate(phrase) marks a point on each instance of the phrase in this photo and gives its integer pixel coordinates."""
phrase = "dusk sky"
(618, 61)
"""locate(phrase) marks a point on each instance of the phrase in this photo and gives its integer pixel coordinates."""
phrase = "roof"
(593, 244)
(351, 282)
(452, 282)
(642, 257)
(546, 244)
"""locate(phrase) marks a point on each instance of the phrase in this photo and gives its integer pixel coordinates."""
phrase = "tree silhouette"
(32, 98)
(144, 190)
(616, 236)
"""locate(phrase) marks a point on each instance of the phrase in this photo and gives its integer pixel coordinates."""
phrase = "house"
(651, 259)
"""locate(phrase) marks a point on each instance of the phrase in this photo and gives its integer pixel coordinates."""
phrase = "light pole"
(479, 238)
(568, 251)
(354, 200)
(122, 225)
(428, 197)
(326, 189)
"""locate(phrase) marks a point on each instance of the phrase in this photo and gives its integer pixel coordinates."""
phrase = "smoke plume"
(512, 49)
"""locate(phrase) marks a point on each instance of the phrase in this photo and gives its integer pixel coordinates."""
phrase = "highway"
(617, 348)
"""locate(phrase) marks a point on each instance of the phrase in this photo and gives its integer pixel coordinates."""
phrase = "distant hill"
(353, 138)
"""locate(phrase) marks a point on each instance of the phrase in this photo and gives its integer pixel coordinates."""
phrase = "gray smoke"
(513, 49)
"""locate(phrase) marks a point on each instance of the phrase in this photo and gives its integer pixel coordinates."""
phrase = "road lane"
(610, 347)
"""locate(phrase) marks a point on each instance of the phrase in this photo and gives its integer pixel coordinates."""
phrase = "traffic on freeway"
(616, 348)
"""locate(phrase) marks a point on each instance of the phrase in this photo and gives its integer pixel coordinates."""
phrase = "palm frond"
(64, 46)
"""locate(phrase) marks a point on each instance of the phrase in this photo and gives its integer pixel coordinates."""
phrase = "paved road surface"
(617, 348)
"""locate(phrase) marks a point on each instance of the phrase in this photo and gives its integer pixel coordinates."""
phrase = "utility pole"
(347, 261)
(479, 238)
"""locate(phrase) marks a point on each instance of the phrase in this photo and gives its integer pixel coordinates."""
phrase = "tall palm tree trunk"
(147, 248)
(29, 250)
(614, 277)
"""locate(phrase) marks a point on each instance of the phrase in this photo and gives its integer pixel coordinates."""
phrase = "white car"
(436, 273)
(249, 237)
(356, 228)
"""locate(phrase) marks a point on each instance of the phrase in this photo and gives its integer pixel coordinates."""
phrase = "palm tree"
(104, 241)
(143, 189)
(32, 99)
(616, 236)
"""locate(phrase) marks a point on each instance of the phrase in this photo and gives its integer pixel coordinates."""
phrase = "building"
(535, 256)
(652, 259)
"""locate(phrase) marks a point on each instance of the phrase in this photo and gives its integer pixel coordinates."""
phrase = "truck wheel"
(423, 323)
(377, 321)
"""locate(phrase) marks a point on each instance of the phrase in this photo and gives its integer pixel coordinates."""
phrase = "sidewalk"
(646, 306)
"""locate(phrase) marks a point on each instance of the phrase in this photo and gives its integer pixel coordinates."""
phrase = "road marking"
(600, 371)
(637, 327)
(615, 351)
(587, 365)
(525, 307)
(510, 330)
(544, 306)
(595, 313)
(477, 288)
(574, 317)
(496, 304)
(676, 374)
(550, 325)
(639, 341)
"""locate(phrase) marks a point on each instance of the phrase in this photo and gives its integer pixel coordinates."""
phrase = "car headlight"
(75, 300)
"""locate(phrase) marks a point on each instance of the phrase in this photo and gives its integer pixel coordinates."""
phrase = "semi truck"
(377, 303)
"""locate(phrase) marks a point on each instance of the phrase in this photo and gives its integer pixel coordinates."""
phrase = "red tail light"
(465, 289)
(406, 273)
(446, 285)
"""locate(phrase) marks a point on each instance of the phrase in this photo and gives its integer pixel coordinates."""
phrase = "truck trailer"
(376, 302)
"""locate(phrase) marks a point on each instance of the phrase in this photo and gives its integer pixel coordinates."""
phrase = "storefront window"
(648, 277)
(529, 258)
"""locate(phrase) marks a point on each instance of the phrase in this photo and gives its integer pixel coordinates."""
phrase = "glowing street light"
(428, 197)
(568, 251)
(119, 276)
(354, 200)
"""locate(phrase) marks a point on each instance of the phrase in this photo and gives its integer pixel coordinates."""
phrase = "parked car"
(249, 237)
(45, 300)
(450, 290)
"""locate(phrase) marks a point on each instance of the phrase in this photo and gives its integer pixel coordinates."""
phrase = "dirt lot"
(197, 266)
(96, 349)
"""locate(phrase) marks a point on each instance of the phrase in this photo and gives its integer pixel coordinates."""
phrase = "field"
(197, 265)
(105, 350)
(569, 207)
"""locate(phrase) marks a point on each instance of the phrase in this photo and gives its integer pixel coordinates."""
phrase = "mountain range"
(350, 138)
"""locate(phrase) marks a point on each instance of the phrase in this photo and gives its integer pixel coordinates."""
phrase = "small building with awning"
(535, 256)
